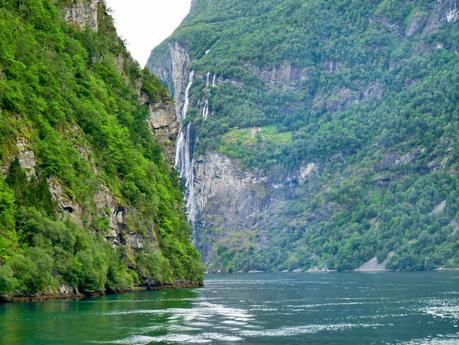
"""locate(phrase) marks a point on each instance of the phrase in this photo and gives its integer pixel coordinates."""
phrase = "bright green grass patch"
(250, 136)
(246, 143)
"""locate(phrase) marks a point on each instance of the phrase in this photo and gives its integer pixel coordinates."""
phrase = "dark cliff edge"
(89, 201)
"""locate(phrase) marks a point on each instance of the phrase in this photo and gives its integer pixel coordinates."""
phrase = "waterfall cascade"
(205, 109)
(207, 80)
(209, 85)
(186, 102)
(184, 162)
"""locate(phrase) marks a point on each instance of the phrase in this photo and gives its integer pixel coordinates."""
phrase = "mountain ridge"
(318, 135)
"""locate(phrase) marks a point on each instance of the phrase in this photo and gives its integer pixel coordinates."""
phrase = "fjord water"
(264, 308)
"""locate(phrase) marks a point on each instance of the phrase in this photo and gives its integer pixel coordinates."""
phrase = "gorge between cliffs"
(279, 172)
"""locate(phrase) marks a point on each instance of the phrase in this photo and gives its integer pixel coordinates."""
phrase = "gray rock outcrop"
(163, 122)
(64, 202)
(26, 157)
(83, 13)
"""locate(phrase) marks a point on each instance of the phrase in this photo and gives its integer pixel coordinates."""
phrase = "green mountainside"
(88, 203)
(344, 113)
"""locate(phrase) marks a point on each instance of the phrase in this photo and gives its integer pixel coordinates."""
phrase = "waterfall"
(186, 102)
(182, 140)
(207, 80)
(179, 149)
(184, 162)
(214, 80)
(205, 110)
(189, 178)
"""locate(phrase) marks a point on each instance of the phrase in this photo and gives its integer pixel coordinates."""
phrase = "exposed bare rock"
(439, 208)
(374, 91)
(301, 175)
(218, 177)
(336, 102)
(161, 115)
(163, 123)
(444, 11)
(180, 61)
(84, 151)
(107, 205)
(4, 168)
(135, 240)
(83, 13)
(228, 204)
(120, 60)
(394, 159)
(161, 65)
(118, 231)
(65, 204)
(283, 75)
(226, 196)
(440, 159)
(345, 97)
(26, 156)
(193, 4)
(67, 290)
(306, 171)
(373, 265)
(416, 24)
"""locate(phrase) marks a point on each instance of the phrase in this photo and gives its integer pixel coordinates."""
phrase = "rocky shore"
(70, 293)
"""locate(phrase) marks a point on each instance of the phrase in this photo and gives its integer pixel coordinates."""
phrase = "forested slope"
(335, 123)
(88, 203)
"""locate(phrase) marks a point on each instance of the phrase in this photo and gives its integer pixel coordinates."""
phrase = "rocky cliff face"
(162, 120)
(163, 123)
(172, 66)
(84, 13)
(225, 202)
(242, 207)
(89, 200)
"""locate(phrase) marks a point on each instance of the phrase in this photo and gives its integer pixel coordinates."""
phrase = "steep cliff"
(318, 134)
(88, 203)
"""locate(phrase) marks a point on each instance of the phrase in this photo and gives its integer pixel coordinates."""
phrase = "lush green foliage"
(63, 93)
(370, 96)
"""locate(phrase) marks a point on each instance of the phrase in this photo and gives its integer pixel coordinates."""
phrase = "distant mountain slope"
(318, 134)
(88, 204)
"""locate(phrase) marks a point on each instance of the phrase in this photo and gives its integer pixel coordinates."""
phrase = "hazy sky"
(146, 23)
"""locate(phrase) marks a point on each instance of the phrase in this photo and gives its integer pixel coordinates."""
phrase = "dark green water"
(289, 308)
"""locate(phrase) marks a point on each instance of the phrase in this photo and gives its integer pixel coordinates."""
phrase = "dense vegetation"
(63, 94)
(370, 96)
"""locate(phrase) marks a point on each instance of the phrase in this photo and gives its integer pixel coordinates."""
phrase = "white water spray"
(186, 102)
(184, 162)
(205, 109)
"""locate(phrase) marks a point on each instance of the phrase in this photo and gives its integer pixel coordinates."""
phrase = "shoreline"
(381, 270)
(46, 297)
